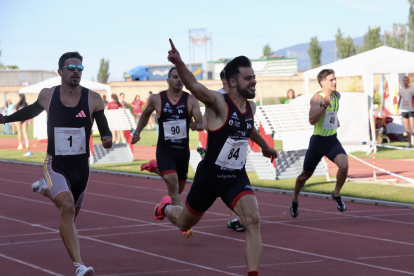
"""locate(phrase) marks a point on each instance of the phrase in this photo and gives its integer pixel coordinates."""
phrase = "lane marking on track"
(144, 273)
(131, 249)
(31, 265)
(23, 235)
(383, 257)
(224, 237)
(307, 262)
(25, 242)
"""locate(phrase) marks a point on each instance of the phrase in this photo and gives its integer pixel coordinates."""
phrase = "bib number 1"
(70, 141)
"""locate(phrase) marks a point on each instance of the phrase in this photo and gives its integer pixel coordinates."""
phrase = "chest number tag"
(331, 120)
(233, 154)
(175, 129)
(70, 141)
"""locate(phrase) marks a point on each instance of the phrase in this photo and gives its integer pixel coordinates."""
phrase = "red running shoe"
(158, 207)
(149, 166)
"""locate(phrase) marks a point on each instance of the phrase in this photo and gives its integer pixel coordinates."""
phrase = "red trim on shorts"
(237, 198)
(182, 181)
(192, 211)
(227, 119)
(167, 172)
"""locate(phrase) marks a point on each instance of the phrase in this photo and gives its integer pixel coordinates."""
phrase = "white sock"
(234, 220)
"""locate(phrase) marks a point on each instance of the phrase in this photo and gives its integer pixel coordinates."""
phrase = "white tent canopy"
(36, 88)
(382, 60)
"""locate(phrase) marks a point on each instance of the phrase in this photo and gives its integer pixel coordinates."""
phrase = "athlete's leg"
(24, 130)
(233, 215)
(248, 211)
(64, 201)
(411, 123)
(171, 179)
(300, 182)
(341, 160)
(181, 217)
(407, 129)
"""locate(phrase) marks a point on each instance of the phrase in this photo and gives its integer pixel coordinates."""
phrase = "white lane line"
(313, 254)
(25, 242)
(131, 249)
(225, 237)
(31, 265)
(144, 273)
(307, 262)
(384, 257)
(23, 235)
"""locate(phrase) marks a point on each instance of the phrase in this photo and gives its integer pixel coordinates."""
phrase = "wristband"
(325, 106)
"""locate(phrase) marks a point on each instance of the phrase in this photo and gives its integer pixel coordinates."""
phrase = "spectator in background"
(137, 104)
(22, 126)
(122, 101)
(104, 100)
(115, 104)
(10, 111)
(406, 103)
(290, 95)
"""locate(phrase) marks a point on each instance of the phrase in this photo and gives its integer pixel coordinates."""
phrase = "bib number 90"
(175, 130)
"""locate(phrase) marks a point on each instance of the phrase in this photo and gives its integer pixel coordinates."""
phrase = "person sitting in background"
(22, 126)
(10, 111)
(137, 104)
(115, 104)
(290, 95)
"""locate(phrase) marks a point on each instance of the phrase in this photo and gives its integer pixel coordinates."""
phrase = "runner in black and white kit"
(174, 109)
(230, 121)
(71, 110)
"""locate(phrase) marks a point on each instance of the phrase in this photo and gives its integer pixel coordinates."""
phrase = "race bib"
(70, 141)
(175, 129)
(233, 154)
(406, 103)
(331, 120)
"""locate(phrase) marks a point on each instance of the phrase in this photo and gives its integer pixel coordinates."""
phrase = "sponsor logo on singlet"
(237, 124)
(231, 122)
(234, 116)
(249, 126)
(180, 105)
(247, 187)
(167, 105)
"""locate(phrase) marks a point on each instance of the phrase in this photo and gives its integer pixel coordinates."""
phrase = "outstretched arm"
(266, 150)
(143, 121)
(197, 89)
(23, 114)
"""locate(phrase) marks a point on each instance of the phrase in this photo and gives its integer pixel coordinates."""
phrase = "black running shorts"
(206, 188)
(407, 115)
(173, 161)
(61, 177)
(320, 146)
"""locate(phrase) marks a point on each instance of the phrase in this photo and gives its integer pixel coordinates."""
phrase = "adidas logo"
(81, 114)
(167, 105)
(247, 187)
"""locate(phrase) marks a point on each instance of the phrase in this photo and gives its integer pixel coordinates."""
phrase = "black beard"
(245, 92)
(71, 83)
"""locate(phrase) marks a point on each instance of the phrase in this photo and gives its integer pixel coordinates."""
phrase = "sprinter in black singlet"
(230, 121)
(71, 110)
(174, 108)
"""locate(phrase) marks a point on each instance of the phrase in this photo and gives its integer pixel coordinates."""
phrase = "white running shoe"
(83, 270)
(38, 186)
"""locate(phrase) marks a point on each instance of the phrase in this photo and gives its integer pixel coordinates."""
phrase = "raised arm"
(197, 89)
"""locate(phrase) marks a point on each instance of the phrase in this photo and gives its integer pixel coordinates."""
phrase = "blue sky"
(34, 34)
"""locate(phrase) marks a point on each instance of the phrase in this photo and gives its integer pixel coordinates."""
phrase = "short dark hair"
(169, 72)
(67, 55)
(406, 78)
(323, 74)
(222, 77)
(231, 70)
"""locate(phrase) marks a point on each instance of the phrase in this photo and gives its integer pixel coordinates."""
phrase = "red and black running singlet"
(69, 128)
(227, 146)
(174, 123)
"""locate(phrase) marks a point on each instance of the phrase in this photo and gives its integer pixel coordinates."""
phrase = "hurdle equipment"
(118, 119)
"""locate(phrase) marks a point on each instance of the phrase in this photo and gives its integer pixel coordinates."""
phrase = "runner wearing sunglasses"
(71, 110)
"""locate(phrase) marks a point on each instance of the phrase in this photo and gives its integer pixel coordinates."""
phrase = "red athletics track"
(118, 235)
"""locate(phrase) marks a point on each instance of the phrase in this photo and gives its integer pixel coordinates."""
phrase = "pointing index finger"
(172, 45)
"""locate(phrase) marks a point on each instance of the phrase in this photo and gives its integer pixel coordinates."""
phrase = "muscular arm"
(97, 107)
(146, 114)
(316, 109)
(196, 114)
(24, 114)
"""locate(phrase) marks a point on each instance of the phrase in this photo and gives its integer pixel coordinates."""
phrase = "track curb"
(259, 189)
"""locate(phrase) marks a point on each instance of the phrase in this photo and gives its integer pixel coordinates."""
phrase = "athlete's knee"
(252, 220)
(343, 167)
(303, 177)
(67, 209)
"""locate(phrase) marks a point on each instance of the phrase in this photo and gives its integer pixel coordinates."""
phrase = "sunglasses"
(73, 67)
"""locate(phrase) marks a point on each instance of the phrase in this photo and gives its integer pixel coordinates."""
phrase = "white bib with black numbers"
(233, 154)
(70, 141)
(175, 129)
(331, 120)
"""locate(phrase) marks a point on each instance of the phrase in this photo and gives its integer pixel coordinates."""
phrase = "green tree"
(396, 38)
(411, 26)
(315, 52)
(5, 67)
(345, 46)
(267, 51)
(103, 73)
(372, 40)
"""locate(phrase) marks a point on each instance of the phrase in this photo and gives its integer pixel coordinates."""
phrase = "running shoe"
(202, 152)
(149, 166)
(38, 186)
(20, 147)
(339, 203)
(188, 234)
(83, 270)
(236, 226)
(158, 208)
(294, 210)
